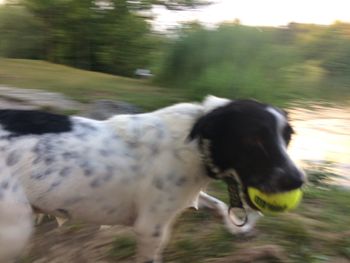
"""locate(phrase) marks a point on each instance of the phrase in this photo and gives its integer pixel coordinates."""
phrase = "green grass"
(122, 247)
(82, 85)
(317, 232)
(86, 86)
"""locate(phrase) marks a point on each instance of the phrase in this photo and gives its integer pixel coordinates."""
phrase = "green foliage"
(331, 45)
(85, 35)
(108, 36)
(271, 64)
(128, 47)
(21, 33)
(232, 61)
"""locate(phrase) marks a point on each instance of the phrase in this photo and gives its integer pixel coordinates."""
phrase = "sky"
(261, 12)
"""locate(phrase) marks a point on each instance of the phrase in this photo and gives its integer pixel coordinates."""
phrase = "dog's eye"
(254, 140)
(256, 143)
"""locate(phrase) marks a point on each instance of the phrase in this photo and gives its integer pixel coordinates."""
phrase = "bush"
(232, 61)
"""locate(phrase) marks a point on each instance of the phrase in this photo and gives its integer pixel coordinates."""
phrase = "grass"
(82, 85)
(122, 247)
(86, 86)
(317, 232)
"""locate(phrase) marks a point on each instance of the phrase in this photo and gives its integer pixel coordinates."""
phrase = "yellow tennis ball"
(276, 202)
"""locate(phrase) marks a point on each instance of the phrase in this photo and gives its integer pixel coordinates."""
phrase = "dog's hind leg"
(16, 223)
(211, 202)
(60, 220)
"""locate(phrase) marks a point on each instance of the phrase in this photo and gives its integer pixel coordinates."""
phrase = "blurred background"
(113, 56)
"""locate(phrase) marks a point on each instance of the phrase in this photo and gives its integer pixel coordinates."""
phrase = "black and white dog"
(139, 170)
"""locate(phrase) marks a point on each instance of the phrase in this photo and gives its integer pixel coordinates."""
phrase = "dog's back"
(101, 171)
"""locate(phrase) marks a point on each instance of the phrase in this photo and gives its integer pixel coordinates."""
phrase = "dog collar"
(237, 212)
(213, 171)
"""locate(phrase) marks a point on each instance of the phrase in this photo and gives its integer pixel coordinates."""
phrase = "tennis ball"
(276, 202)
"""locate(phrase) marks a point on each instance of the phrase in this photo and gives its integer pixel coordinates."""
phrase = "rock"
(32, 99)
(38, 99)
(104, 109)
(8, 104)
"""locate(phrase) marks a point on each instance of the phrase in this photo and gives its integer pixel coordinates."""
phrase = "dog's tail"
(15, 217)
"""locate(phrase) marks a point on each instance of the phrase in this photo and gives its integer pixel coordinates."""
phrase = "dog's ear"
(209, 125)
(198, 128)
(206, 125)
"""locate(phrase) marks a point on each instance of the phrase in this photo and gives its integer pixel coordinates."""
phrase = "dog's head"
(251, 138)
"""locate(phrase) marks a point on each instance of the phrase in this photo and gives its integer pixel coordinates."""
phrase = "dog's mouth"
(240, 200)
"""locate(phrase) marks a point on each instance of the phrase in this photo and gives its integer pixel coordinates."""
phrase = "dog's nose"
(295, 182)
(289, 178)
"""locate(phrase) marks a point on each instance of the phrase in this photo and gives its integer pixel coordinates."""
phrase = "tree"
(92, 36)
(21, 33)
(101, 35)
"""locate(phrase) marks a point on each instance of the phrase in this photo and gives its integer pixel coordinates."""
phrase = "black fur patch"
(26, 122)
(244, 136)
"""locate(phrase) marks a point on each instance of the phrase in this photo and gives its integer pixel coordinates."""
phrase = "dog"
(143, 170)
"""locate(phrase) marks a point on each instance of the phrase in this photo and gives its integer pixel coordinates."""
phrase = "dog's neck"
(212, 169)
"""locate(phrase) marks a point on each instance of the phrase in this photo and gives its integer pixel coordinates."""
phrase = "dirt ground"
(79, 243)
(72, 243)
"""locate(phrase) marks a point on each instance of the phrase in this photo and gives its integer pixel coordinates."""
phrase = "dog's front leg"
(222, 209)
(15, 217)
(152, 236)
